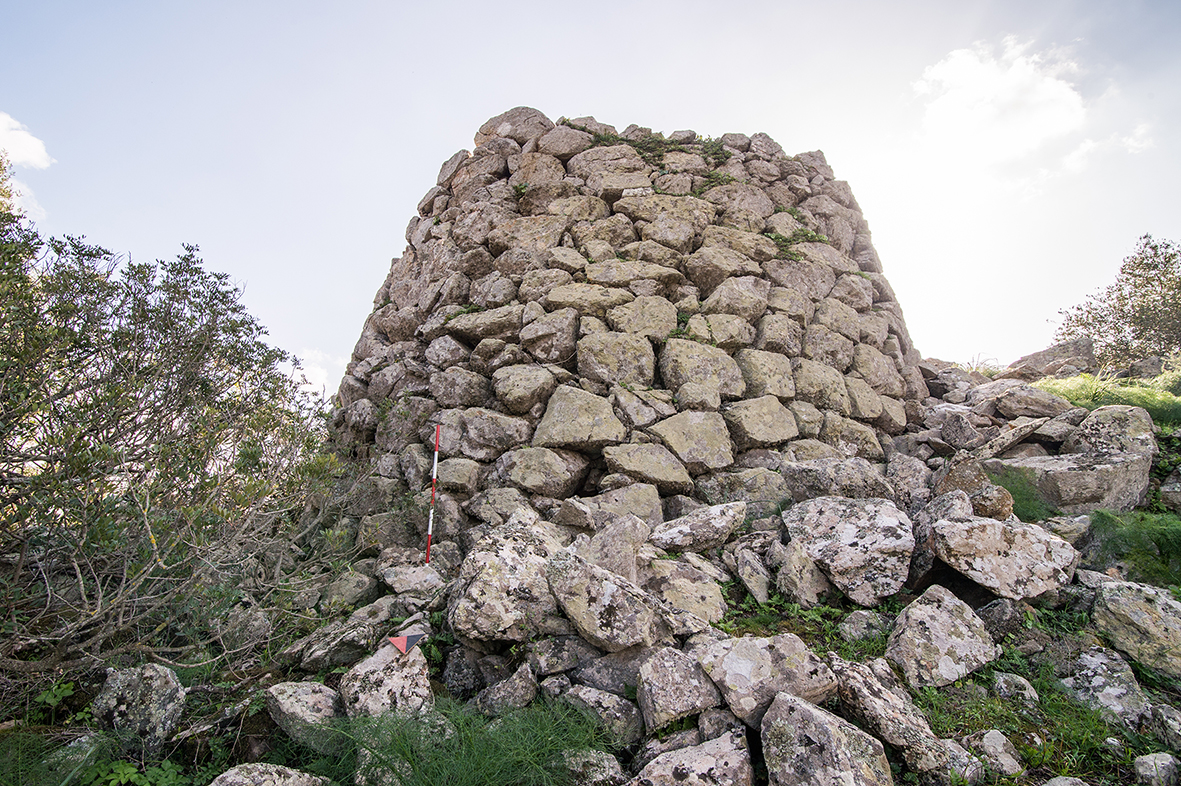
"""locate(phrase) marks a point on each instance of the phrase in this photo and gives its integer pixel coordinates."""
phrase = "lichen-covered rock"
(1013, 559)
(387, 681)
(938, 639)
(724, 761)
(260, 774)
(607, 610)
(699, 440)
(760, 423)
(305, 710)
(1113, 428)
(578, 420)
(883, 707)
(1141, 621)
(684, 361)
(863, 546)
(502, 593)
(141, 705)
(808, 746)
(751, 671)
(1083, 482)
(701, 529)
(999, 754)
(649, 463)
(514, 693)
(593, 768)
(1104, 682)
(620, 717)
(673, 686)
(1157, 769)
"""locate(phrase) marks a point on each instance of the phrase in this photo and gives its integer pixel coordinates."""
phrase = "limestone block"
(578, 420)
(699, 440)
(684, 361)
(863, 546)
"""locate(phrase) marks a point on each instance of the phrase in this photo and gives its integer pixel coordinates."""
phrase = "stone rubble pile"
(647, 397)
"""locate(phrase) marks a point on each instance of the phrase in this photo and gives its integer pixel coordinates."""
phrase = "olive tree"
(145, 424)
(1137, 316)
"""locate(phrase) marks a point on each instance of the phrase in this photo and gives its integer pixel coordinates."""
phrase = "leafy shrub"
(1148, 543)
(522, 748)
(1137, 316)
(145, 426)
(1091, 392)
(1028, 504)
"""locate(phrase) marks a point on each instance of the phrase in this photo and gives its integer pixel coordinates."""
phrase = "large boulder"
(701, 529)
(724, 761)
(863, 546)
(684, 361)
(1141, 621)
(1103, 681)
(388, 681)
(751, 671)
(1082, 482)
(502, 593)
(804, 745)
(606, 609)
(1013, 559)
(673, 686)
(699, 440)
(142, 705)
(938, 639)
(1114, 429)
(305, 711)
(871, 694)
(578, 420)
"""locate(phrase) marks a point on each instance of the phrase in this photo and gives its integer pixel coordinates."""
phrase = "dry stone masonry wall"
(641, 321)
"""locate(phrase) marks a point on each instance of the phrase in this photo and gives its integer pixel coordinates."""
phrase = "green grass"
(1028, 504)
(1089, 391)
(816, 626)
(1072, 736)
(1148, 543)
(523, 748)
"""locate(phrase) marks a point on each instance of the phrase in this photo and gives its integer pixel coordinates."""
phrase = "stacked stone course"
(584, 316)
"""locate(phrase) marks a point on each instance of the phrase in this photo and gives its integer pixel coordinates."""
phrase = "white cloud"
(322, 370)
(25, 202)
(1077, 159)
(23, 148)
(1139, 140)
(999, 108)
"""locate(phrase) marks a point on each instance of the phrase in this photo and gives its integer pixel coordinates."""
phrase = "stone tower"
(640, 322)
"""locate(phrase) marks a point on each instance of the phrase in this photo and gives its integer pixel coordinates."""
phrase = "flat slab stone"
(863, 546)
(751, 671)
(1013, 559)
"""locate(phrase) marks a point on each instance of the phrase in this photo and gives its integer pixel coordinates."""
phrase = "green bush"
(143, 421)
(1028, 504)
(1091, 392)
(1169, 382)
(522, 748)
(1148, 543)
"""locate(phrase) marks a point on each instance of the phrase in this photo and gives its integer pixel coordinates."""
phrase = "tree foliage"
(143, 419)
(1140, 314)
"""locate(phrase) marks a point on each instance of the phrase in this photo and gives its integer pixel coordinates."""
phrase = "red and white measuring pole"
(430, 521)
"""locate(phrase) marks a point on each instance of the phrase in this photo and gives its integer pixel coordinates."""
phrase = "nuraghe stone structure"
(631, 319)
(636, 350)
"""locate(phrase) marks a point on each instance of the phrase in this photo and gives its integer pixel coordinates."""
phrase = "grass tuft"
(1148, 543)
(1028, 504)
(1091, 392)
(523, 748)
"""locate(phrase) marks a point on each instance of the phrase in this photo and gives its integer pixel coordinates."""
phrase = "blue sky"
(1007, 155)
